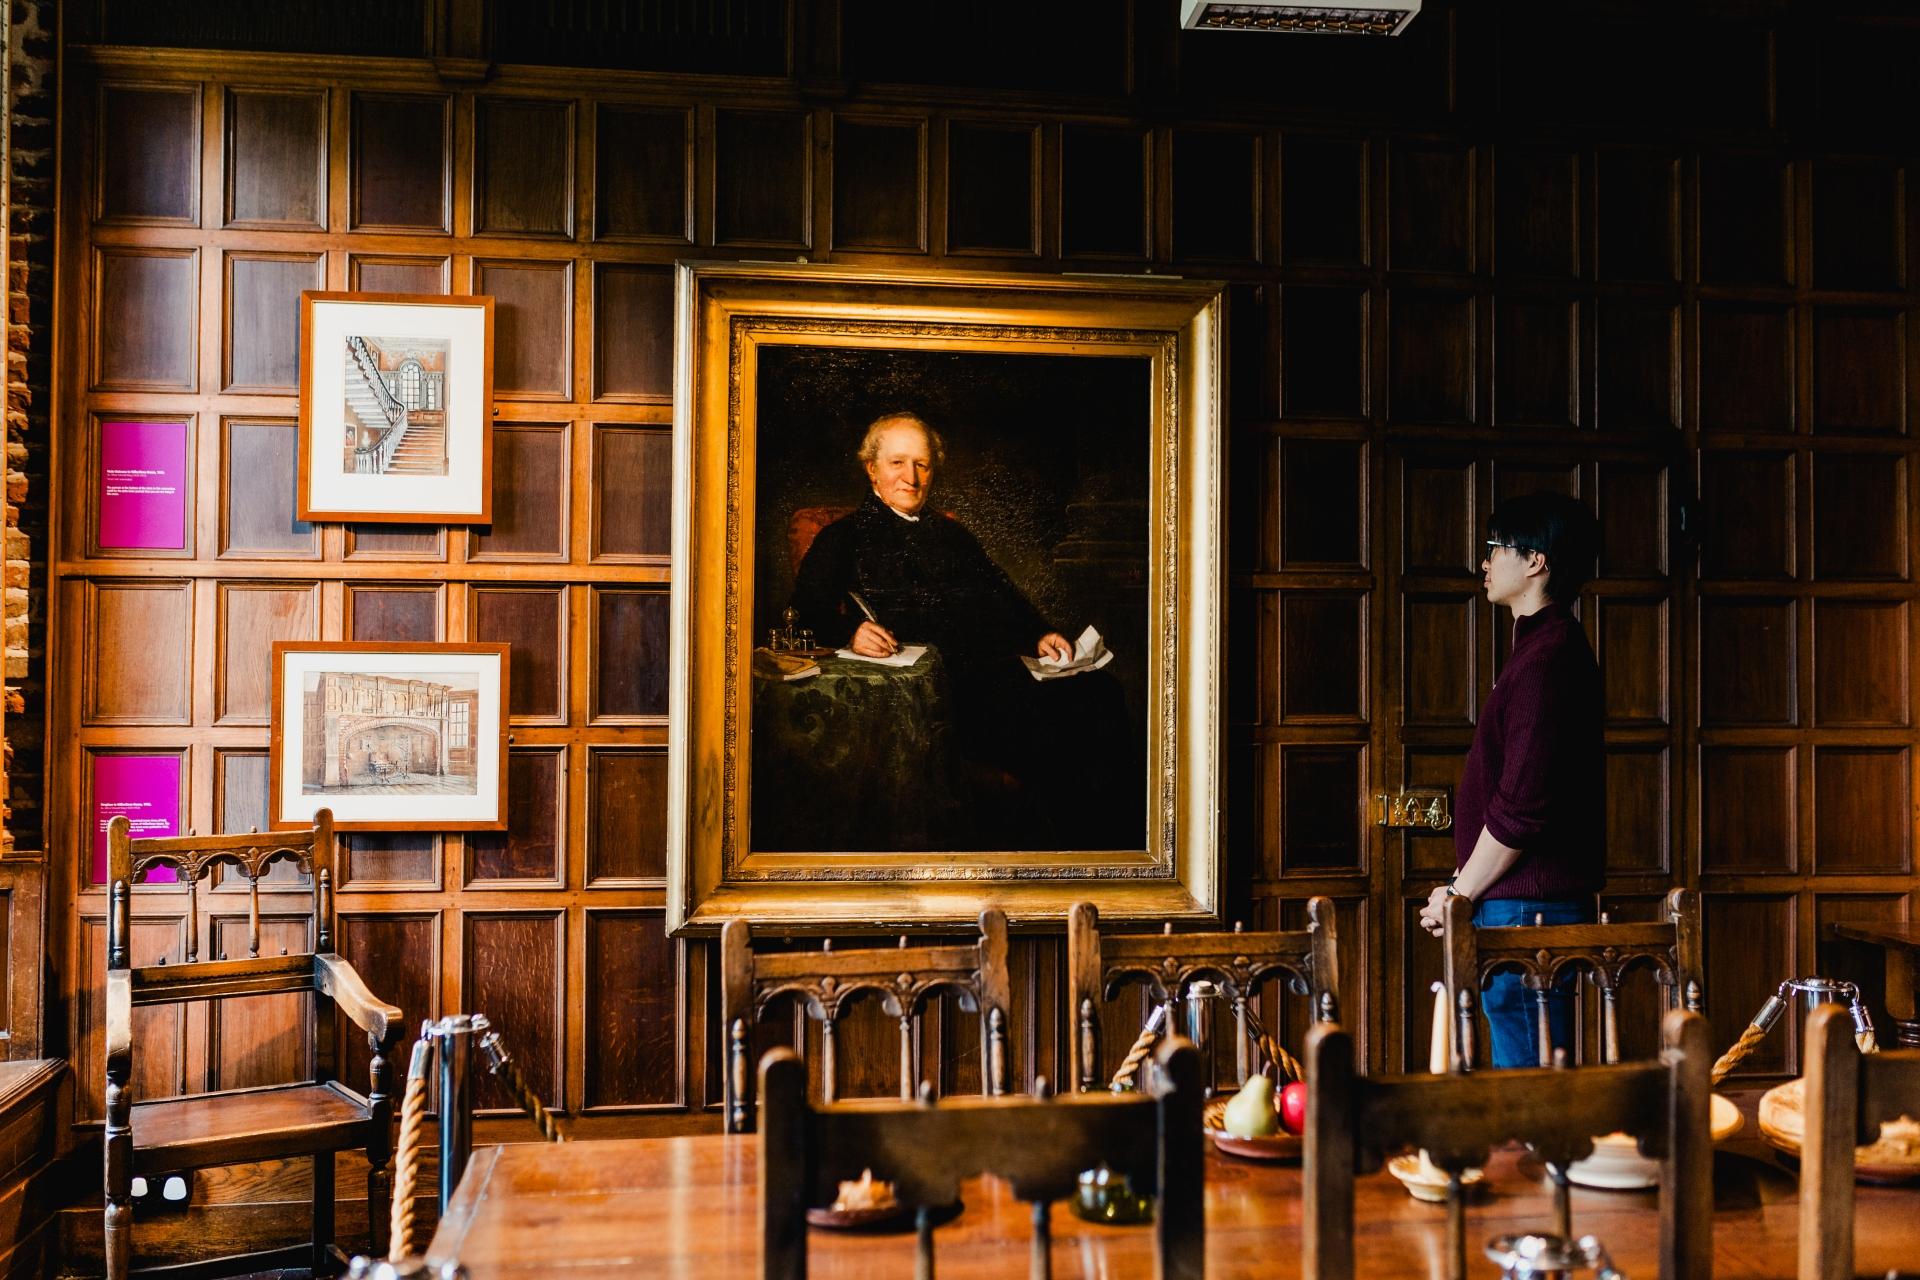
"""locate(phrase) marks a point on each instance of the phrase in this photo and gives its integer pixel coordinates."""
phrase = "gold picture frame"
(1152, 346)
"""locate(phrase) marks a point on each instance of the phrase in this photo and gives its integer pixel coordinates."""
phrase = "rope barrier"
(502, 1066)
(1129, 1067)
(413, 1110)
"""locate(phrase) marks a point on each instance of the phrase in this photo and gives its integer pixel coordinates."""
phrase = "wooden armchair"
(317, 1118)
(1039, 1144)
(1849, 1095)
(1541, 954)
(1352, 1123)
(825, 981)
(1098, 965)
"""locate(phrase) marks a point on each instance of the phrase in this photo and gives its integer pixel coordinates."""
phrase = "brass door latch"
(1426, 810)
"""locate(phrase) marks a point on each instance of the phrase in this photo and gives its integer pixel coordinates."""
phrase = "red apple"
(1293, 1107)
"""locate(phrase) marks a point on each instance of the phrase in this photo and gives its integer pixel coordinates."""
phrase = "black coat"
(927, 581)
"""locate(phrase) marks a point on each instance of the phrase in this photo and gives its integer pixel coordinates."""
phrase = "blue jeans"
(1508, 1003)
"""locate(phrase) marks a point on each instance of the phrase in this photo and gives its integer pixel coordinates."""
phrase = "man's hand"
(1056, 646)
(874, 641)
(1433, 915)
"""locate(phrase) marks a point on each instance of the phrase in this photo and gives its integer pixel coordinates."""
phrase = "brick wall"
(29, 404)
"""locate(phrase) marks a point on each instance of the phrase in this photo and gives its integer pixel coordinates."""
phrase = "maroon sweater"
(1536, 776)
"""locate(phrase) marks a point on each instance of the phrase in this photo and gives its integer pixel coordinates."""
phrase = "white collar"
(897, 511)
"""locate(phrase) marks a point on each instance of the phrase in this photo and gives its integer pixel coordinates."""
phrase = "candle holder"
(1531, 1257)
(1106, 1196)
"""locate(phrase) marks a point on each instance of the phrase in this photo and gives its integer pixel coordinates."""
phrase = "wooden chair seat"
(174, 1134)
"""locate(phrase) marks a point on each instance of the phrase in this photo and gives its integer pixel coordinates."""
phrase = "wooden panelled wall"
(1423, 322)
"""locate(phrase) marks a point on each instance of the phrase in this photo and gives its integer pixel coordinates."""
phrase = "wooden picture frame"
(396, 408)
(780, 371)
(392, 736)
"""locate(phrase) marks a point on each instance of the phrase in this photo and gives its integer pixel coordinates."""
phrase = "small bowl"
(1425, 1180)
(1617, 1165)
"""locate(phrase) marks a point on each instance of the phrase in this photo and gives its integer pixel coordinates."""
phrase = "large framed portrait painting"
(947, 612)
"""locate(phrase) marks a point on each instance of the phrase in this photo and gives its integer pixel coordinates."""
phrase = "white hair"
(870, 443)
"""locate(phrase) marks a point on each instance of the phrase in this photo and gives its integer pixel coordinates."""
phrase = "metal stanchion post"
(454, 1037)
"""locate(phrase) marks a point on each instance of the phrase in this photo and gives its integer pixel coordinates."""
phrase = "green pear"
(1250, 1112)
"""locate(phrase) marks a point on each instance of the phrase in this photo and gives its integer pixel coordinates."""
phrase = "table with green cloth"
(862, 757)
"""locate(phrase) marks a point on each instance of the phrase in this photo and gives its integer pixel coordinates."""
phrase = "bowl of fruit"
(1257, 1125)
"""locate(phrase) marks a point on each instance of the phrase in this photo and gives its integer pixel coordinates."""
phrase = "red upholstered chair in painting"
(156, 1137)
(1098, 964)
(824, 983)
(1039, 1145)
(1849, 1095)
(804, 525)
(1607, 952)
(1354, 1122)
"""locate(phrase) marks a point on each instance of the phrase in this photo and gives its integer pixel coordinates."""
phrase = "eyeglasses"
(1494, 544)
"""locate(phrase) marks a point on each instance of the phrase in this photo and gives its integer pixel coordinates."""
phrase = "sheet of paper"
(905, 656)
(1090, 653)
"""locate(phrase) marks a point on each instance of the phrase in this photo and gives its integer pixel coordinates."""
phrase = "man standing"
(1529, 838)
(896, 572)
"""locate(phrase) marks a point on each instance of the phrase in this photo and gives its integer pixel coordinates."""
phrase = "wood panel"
(249, 617)
(1430, 213)
(402, 175)
(633, 333)
(1638, 214)
(145, 308)
(632, 495)
(631, 658)
(533, 621)
(399, 955)
(529, 851)
(139, 671)
(263, 318)
(512, 974)
(258, 513)
(627, 817)
(1536, 225)
(523, 167)
(1430, 355)
(1860, 516)
(635, 1056)
(879, 184)
(643, 174)
(1859, 371)
(397, 612)
(1216, 195)
(1325, 333)
(1323, 200)
(532, 327)
(276, 157)
(1103, 191)
(993, 188)
(530, 494)
(1859, 810)
(149, 154)
(762, 180)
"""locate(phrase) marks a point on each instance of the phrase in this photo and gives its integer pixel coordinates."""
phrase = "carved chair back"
(1353, 1123)
(824, 984)
(249, 855)
(1541, 954)
(1038, 1144)
(1849, 1095)
(1099, 965)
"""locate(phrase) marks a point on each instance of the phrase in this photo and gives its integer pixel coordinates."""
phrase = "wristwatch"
(1455, 893)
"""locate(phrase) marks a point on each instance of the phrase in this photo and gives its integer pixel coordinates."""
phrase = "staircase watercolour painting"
(396, 408)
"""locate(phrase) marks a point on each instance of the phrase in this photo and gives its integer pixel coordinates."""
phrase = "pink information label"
(143, 485)
(147, 790)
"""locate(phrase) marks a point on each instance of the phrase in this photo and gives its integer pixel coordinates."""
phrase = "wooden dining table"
(688, 1207)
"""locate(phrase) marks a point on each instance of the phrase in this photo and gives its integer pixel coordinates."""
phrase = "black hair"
(1558, 527)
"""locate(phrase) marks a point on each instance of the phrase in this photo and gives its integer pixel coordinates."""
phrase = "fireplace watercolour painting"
(396, 408)
(390, 736)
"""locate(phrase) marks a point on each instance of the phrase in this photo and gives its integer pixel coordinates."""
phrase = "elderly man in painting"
(898, 572)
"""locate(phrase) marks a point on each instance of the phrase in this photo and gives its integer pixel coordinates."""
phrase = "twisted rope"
(1751, 1038)
(1276, 1054)
(1130, 1065)
(413, 1110)
(503, 1067)
(1736, 1052)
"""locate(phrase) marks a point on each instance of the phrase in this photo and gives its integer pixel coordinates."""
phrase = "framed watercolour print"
(396, 408)
(1014, 485)
(390, 736)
